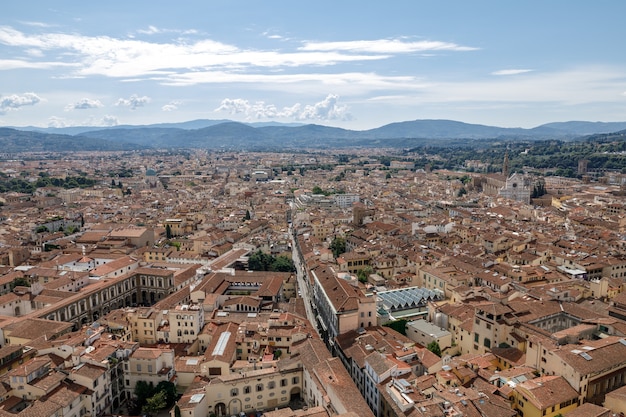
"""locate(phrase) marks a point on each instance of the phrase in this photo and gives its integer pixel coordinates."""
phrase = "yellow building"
(546, 396)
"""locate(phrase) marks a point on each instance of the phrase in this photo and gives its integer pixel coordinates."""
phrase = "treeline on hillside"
(601, 152)
(21, 185)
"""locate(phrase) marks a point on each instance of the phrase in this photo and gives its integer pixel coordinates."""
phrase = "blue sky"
(351, 64)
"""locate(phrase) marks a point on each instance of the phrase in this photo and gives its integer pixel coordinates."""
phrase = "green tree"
(317, 190)
(260, 261)
(177, 411)
(338, 246)
(282, 263)
(247, 216)
(168, 231)
(398, 325)
(364, 273)
(143, 391)
(155, 403)
(170, 391)
(434, 348)
(19, 282)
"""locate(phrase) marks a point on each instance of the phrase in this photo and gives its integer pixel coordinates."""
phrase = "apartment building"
(341, 307)
(151, 365)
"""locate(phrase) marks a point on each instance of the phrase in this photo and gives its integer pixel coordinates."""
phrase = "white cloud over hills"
(327, 109)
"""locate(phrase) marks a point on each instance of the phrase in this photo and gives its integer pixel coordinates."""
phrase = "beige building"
(151, 365)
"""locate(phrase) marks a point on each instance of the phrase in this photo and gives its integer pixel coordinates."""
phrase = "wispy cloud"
(327, 109)
(9, 64)
(171, 106)
(150, 31)
(385, 46)
(83, 104)
(511, 71)
(133, 101)
(107, 120)
(36, 24)
(14, 101)
(134, 58)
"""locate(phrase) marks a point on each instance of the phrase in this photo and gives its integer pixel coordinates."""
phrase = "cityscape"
(314, 209)
(218, 283)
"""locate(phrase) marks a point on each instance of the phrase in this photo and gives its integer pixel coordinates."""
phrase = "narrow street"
(302, 287)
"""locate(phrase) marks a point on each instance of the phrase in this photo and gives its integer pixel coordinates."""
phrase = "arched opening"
(294, 395)
(220, 409)
(234, 406)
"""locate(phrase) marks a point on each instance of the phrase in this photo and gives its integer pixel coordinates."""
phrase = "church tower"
(505, 165)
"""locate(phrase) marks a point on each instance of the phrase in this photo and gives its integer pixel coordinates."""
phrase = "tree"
(170, 391)
(247, 216)
(168, 231)
(398, 325)
(338, 246)
(19, 282)
(177, 411)
(282, 263)
(143, 391)
(434, 348)
(155, 403)
(364, 273)
(260, 261)
(317, 190)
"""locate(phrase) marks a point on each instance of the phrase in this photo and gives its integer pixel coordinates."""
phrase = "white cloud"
(109, 120)
(36, 24)
(9, 64)
(171, 106)
(150, 31)
(14, 101)
(128, 58)
(83, 104)
(385, 46)
(58, 122)
(133, 101)
(511, 71)
(327, 109)
(106, 121)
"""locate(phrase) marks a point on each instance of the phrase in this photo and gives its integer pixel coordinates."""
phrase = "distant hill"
(586, 128)
(15, 141)
(226, 134)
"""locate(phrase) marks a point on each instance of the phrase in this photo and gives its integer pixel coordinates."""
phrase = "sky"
(351, 64)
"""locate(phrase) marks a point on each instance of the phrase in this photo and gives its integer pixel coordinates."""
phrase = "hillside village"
(412, 293)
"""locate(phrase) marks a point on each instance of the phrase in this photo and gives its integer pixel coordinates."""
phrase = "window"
(283, 382)
(476, 337)
(234, 392)
(295, 380)
(271, 385)
(246, 390)
(138, 367)
(259, 387)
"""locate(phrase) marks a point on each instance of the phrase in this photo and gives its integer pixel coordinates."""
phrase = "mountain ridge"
(227, 134)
